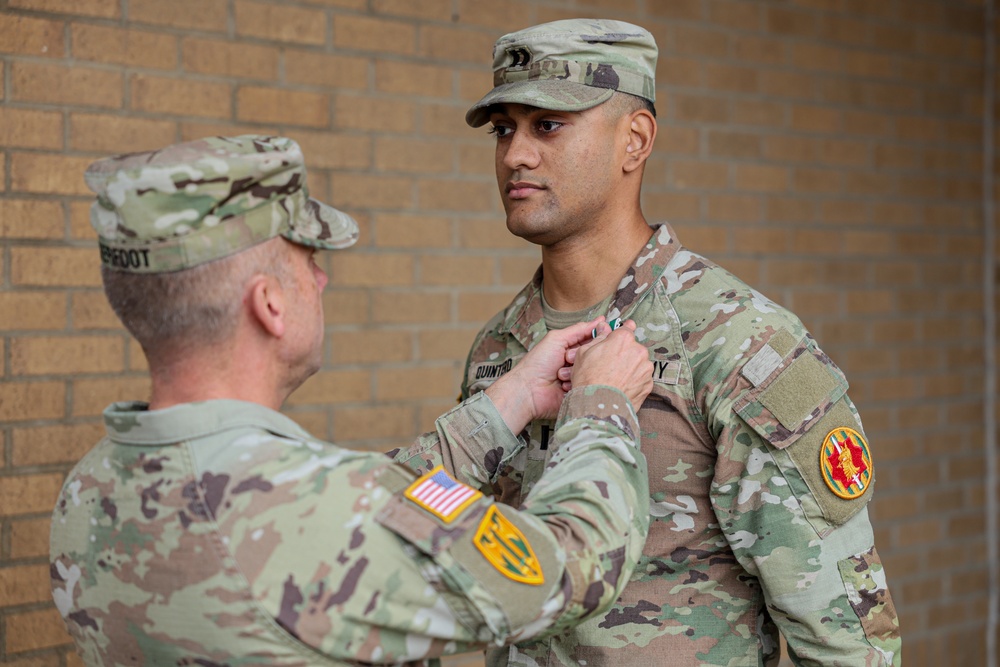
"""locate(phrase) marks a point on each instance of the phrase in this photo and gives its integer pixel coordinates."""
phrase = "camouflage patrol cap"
(195, 202)
(570, 65)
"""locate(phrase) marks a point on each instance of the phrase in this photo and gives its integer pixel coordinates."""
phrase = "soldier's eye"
(500, 131)
(549, 125)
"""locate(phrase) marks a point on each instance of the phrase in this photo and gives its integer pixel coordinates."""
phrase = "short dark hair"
(626, 103)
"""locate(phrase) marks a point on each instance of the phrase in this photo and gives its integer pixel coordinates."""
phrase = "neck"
(582, 271)
(217, 373)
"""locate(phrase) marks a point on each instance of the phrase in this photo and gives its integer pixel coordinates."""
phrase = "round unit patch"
(846, 463)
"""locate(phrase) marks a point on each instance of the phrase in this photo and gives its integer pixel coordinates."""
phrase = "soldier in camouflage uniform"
(760, 472)
(208, 529)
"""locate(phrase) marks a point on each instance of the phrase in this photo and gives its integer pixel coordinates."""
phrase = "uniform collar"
(133, 423)
(525, 320)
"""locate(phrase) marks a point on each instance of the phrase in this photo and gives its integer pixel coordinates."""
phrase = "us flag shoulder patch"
(441, 495)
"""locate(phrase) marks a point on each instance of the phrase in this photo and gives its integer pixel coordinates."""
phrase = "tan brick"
(845, 29)
(790, 22)
(413, 79)
(868, 243)
(893, 97)
(35, 630)
(816, 181)
(29, 494)
(371, 346)
(280, 22)
(730, 78)
(844, 153)
(119, 134)
(790, 210)
(760, 50)
(690, 174)
(843, 92)
(867, 123)
(32, 400)
(333, 150)
(452, 195)
(457, 45)
(24, 584)
(366, 270)
(51, 267)
(23, 128)
(334, 387)
(868, 183)
(441, 120)
(793, 85)
(345, 306)
(815, 119)
(915, 128)
(844, 212)
(271, 105)
(31, 219)
(64, 443)
(761, 240)
(818, 57)
(65, 355)
(490, 235)
(870, 65)
(404, 230)
(71, 86)
(201, 15)
(435, 10)
(32, 310)
(369, 113)
(694, 41)
(762, 113)
(701, 109)
(31, 36)
(366, 423)
(504, 17)
(446, 344)
(134, 48)
(99, 8)
(684, 10)
(477, 307)
(225, 58)
(48, 174)
(736, 15)
(734, 208)
(413, 155)
(181, 97)
(682, 206)
(678, 140)
(92, 396)
(328, 71)
(373, 34)
(407, 307)
(368, 190)
(733, 144)
(517, 271)
(705, 239)
(29, 538)
(456, 271)
(396, 384)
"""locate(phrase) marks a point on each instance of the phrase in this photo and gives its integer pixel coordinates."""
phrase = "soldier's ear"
(265, 305)
(641, 134)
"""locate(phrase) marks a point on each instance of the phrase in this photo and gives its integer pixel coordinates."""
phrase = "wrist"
(511, 401)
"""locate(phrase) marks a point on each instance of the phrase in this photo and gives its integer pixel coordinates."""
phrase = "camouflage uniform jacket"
(746, 537)
(221, 533)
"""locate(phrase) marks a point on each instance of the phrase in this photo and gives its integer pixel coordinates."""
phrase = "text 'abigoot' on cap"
(570, 65)
(202, 200)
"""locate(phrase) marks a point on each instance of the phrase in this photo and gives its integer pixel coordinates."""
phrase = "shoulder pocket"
(799, 405)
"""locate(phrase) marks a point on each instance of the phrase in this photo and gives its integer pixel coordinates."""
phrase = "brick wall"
(828, 151)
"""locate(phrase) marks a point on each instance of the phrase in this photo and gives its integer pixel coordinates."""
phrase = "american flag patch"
(440, 495)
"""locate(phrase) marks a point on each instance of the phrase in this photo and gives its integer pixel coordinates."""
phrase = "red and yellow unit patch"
(441, 495)
(507, 549)
(846, 463)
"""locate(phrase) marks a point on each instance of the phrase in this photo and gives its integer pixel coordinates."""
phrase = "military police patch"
(441, 495)
(507, 549)
(846, 463)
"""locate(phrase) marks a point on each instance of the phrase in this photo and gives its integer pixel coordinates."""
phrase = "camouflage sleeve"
(792, 482)
(510, 574)
(471, 441)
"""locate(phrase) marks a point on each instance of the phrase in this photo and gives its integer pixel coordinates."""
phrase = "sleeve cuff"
(601, 403)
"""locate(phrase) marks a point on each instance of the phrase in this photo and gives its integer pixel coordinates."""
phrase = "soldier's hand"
(533, 389)
(618, 360)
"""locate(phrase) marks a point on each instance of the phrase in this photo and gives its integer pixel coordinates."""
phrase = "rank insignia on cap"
(507, 549)
(846, 463)
(440, 495)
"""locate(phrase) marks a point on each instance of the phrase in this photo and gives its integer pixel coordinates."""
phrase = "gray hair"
(199, 305)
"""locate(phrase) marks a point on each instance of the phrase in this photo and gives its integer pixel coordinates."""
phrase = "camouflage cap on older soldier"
(570, 65)
(195, 202)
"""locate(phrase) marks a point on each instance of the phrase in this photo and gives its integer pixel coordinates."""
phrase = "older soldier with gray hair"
(760, 472)
(208, 529)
